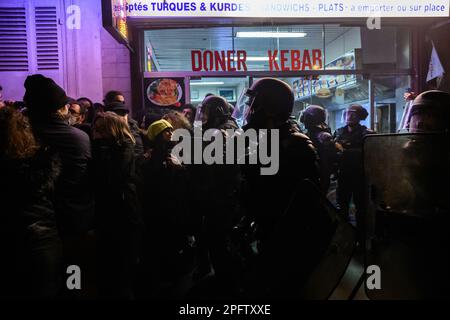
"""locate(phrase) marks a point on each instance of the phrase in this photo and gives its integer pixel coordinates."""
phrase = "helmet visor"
(243, 107)
(198, 120)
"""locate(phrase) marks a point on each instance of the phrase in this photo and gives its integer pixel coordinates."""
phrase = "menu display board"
(321, 86)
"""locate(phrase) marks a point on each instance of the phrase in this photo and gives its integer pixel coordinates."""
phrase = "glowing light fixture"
(206, 83)
(267, 34)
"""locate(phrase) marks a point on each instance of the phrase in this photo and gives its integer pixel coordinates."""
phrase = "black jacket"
(117, 207)
(350, 159)
(73, 199)
(29, 240)
(266, 197)
(138, 146)
(322, 139)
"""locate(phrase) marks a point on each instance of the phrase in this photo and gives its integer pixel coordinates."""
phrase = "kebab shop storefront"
(326, 53)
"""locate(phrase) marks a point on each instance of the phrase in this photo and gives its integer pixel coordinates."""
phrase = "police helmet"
(313, 115)
(269, 98)
(216, 109)
(434, 103)
(360, 111)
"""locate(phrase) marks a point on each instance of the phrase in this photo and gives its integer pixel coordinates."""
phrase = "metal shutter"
(47, 50)
(13, 39)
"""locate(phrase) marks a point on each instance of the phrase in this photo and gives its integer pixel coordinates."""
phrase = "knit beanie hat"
(156, 128)
(42, 93)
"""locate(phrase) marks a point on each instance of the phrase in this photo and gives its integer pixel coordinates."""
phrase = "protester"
(113, 101)
(118, 214)
(189, 112)
(29, 242)
(89, 107)
(149, 117)
(48, 108)
(165, 209)
(178, 120)
(113, 96)
(77, 117)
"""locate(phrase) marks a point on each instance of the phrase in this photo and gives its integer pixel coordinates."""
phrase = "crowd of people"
(85, 184)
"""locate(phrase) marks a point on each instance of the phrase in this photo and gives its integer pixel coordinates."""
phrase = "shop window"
(229, 49)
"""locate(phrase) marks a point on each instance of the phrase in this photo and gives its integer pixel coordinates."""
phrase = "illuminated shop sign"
(114, 17)
(120, 18)
(278, 60)
(287, 8)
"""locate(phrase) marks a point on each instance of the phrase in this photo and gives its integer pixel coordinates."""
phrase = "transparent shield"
(404, 125)
(312, 229)
(198, 117)
(241, 109)
(408, 210)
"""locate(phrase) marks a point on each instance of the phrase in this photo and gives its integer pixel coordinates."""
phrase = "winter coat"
(29, 241)
(117, 207)
(73, 199)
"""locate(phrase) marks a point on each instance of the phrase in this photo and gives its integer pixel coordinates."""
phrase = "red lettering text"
(317, 58)
(219, 57)
(272, 60)
(230, 57)
(196, 59)
(306, 60)
(241, 58)
(295, 60)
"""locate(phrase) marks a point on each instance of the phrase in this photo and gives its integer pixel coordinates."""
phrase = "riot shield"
(310, 248)
(408, 208)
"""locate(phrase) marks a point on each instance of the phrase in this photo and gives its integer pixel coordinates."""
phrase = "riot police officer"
(408, 207)
(270, 103)
(349, 141)
(217, 188)
(430, 111)
(275, 202)
(216, 114)
(314, 117)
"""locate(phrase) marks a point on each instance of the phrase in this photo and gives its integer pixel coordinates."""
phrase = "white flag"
(435, 68)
